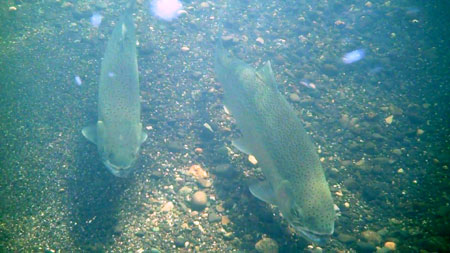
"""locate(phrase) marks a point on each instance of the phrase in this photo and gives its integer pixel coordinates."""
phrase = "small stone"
(213, 217)
(185, 190)
(389, 119)
(266, 245)
(420, 132)
(219, 208)
(365, 247)
(390, 245)
(167, 207)
(154, 250)
(252, 160)
(12, 8)
(347, 205)
(225, 170)
(400, 171)
(180, 242)
(225, 220)
(140, 234)
(198, 150)
(204, 5)
(260, 40)
(346, 238)
(294, 97)
(371, 236)
(397, 151)
(184, 48)
(197, 172)
(205, 183)
(368, 4)
(199, 199)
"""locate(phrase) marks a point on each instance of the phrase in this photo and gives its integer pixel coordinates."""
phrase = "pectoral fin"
(90, 132)
(241, 145)
(144, 136)
(263, 191)
(265, 73)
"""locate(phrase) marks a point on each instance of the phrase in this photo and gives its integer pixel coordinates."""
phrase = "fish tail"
(131, 5)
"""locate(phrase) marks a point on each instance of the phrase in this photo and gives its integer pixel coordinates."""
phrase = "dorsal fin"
(265, 73)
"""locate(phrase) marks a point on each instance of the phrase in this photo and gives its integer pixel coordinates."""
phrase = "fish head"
(312, 216)
(120, 147)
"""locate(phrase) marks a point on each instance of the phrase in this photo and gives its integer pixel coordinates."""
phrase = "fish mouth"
(315, 237)
(118, 171)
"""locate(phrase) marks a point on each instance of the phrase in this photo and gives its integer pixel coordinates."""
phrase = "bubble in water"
(96, 19)
(166, 9)
(353, 56)
(78, 80)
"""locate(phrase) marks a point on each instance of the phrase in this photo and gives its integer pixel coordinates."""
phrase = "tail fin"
(131, 5)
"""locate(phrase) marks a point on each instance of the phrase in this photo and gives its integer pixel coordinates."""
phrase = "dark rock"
(180, 242)
(139, 234)
(365, 247)
(346, 238)
(174, 146)
(224, 169)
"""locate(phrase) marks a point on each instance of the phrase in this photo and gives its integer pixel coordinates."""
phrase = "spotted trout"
(273, 133)
(118, 132)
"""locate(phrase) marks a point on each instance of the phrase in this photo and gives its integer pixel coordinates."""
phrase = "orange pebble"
(390, 245)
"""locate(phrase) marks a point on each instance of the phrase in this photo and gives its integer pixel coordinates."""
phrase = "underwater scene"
(224, 126)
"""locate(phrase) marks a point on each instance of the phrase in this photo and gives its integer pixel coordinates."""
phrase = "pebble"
(230, 38)
(346, 238)
(252, 160)
(199, 199)
(224, 169)
(204, 5)
(371, 236)
(198, 150)
(420, 132)
(260, 40)
(214, 217)
(205, 183)
(397, 151)
(225, 220)
(390, 245)
(365, 247)
(12, 8)
(197, 171)
(266, 245)
(167, 207)
(389, 119)
(219, 208)
(185, 48)
(185, 190)
(294, 97)
(180, 242)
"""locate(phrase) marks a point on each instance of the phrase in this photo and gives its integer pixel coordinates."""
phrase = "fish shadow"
(94, 198)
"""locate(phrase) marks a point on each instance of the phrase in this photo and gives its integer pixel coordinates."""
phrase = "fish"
(118, 133)
(271, 131)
